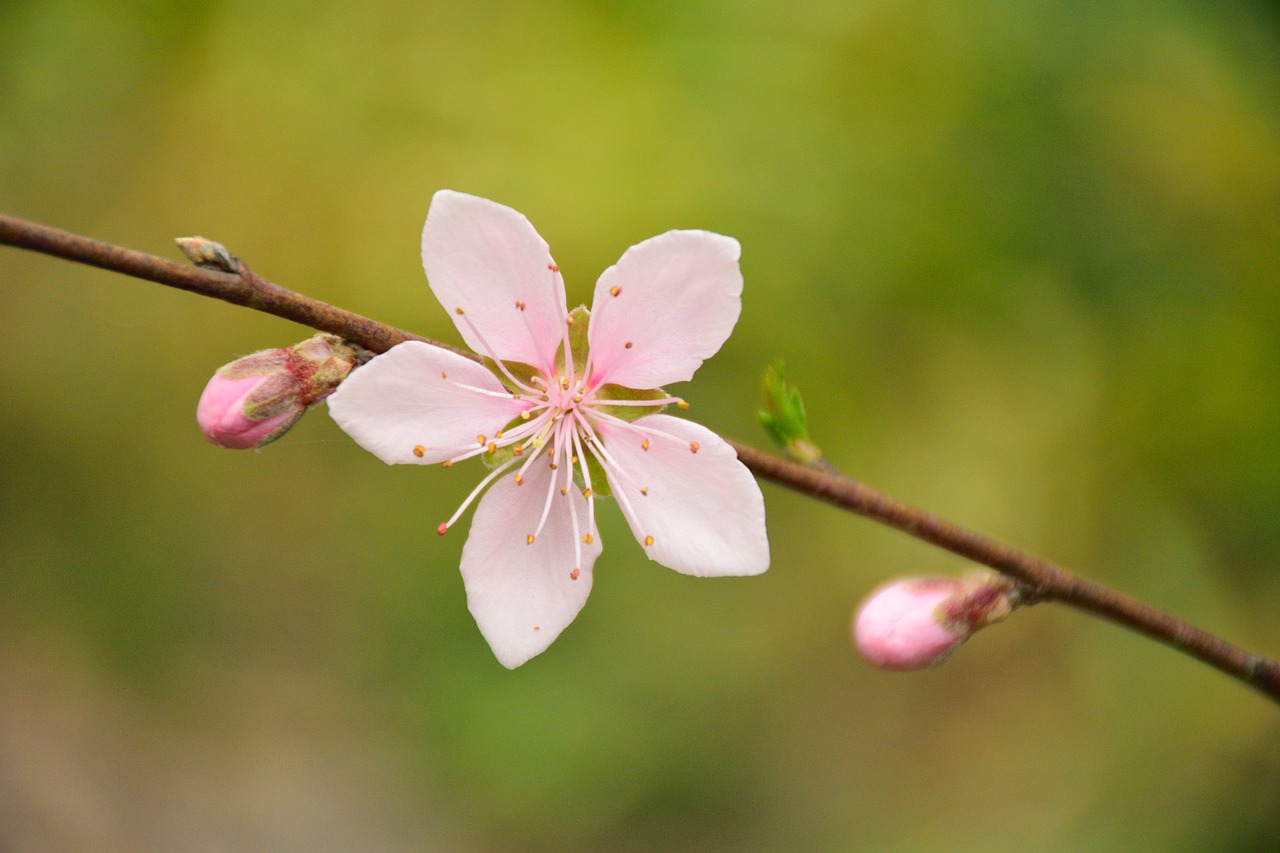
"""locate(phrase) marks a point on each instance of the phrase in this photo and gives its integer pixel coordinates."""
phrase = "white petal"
(703, 509)
(486, 259)
(667, 305)
(522, 596)
(409, 405)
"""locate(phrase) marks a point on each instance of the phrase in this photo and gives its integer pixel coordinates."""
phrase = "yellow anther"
(517, 450)
(528, 540)
(693, 446)
(519, 480)
(644, 444)
(459, 310)
(480, 440)
(588, 538)
(564, 383)
(564, 490)
(448, 463)
(586, 493)
(444, 375)
(574, 460)
(614, 291)
(519, 304)
(682, 404)
(648, 540)
(492, 447)
(644, 490)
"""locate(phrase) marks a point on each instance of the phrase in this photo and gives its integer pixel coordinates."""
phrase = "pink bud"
(256, 399)
(915, 623)
(222, 413)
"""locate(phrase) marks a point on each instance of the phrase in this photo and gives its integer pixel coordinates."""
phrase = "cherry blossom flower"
(565, 410)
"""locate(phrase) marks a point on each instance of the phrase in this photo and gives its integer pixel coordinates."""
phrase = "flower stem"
(1043, 580)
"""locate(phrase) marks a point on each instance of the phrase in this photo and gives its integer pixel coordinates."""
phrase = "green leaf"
(784, 417)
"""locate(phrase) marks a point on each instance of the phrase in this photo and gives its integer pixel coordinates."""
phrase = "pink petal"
(703, 510)
(409, 405)
(667, 305)
(522, 596)
(487, 259)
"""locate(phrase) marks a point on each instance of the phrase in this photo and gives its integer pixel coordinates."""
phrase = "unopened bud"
(915, 623)
(256, 399)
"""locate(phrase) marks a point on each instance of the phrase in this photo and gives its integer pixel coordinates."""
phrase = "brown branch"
(1045, 581)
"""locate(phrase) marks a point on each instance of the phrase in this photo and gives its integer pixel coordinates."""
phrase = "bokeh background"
(1023, 259)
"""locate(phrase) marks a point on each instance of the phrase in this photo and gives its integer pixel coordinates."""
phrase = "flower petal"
(486, 259)
(523, 595)
(666, 306)
(689, 492)
(411, 404)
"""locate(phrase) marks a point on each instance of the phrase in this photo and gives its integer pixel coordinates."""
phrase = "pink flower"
(561, 416)
(913, 623)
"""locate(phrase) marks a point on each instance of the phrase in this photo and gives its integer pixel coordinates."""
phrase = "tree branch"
(1045, 581)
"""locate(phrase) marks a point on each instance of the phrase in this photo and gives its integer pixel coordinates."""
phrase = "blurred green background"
(1023, 259)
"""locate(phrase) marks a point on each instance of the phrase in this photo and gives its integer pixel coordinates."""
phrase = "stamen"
(494, 474)
(444, 375)
(493, 446)
(648, 540)
(564, 383)
(519, 304)
(613, 291)
(682, 404)
(519, 480)
(448, 463)
(693, 446)
(644, 443)
(442, 529)
(628, 345)
(528, 540)
(644, 490)
(517, 450)
(480, 439)
(588, 538)
(419, 451)
(586, 493)
(553, 267)
(573, 575)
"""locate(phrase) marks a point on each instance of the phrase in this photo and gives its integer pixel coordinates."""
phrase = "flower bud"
(256, 399)
(913, 623)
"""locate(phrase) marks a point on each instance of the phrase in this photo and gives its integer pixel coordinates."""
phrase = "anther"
(524, 416)
(498, 434)
(628, 345)
(586, 493)
(519, 480)
(693, 446)
(682, 404)
(644, 444)
(419, 451)
(448, 463)
(613, 291)
(554, 466)
(459, 310)
(574, 460)
(444, 375)
(564, 490)
(644, 490)
(480, 440)
(519, 304)
(588, 538)
(528, 540)
(493, 446)
(573, 575)
(553, 267)
(517, 450)
(648, 540)
(444, 525)
(564, 383)
(577, 398)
